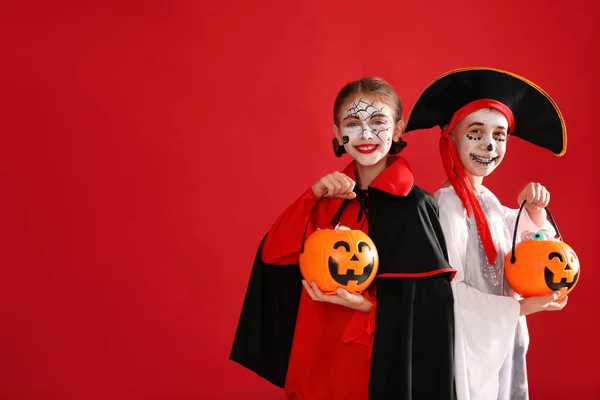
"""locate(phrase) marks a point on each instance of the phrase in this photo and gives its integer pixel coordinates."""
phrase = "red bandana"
(456, 172)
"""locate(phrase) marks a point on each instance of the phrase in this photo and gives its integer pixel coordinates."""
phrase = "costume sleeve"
(485, 323)
(283, 242)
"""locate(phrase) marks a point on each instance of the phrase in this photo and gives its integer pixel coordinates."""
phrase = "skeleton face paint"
(481, 141)
(367, 129)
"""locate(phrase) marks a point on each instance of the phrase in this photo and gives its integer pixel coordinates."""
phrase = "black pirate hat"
(537, 118)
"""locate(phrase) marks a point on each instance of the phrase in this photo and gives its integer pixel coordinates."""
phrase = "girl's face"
(367, 129)
(481, 141)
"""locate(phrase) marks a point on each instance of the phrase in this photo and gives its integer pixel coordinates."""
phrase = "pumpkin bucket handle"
(514, 241)
(311, 214)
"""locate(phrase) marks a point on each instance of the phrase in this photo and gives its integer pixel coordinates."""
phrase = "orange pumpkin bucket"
(340, 257)
(541, 264)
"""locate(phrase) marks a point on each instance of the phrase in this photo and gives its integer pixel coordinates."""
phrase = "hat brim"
(537, 118)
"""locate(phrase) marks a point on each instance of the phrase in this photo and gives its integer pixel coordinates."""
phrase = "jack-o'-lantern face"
(562, 270)
(339, 258)
(350, 264)
(541, 266)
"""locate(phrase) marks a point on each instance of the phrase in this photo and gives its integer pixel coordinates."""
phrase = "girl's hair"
(376, 87)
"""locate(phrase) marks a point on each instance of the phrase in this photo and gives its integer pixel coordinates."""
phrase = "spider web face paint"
(481, 144)
(367, 129)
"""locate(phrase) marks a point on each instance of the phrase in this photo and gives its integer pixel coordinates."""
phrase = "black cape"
(413, 348)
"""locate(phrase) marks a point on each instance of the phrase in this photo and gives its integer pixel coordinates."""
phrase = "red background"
(148, 146)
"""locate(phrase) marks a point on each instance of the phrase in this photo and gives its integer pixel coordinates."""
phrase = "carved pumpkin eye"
(343, 244)
(555, 255)
(572, 257)
(362, 245)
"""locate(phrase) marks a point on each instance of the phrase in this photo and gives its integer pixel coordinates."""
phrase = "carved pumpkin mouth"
(350, 275)
(565, 282)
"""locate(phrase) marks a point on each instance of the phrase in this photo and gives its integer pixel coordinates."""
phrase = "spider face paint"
(481, 141)
(367, 129)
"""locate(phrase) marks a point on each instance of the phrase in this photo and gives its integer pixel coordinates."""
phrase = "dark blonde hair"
(376, 87)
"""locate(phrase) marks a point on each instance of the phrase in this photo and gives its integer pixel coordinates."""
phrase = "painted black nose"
(490, 147)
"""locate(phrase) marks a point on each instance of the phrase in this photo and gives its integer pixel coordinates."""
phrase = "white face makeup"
(481, 141)
(367, 129)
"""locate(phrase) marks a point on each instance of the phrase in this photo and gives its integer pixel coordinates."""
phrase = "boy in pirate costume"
(478, 110)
